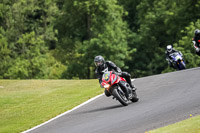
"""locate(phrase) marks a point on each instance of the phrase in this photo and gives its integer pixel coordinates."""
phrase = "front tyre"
(182, 65)
(120, 96)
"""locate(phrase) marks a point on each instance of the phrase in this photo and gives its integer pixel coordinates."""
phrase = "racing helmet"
(99, 61)
(197, 32)
(169, 48)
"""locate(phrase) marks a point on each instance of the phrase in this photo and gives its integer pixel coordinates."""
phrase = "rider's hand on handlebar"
(117, 73)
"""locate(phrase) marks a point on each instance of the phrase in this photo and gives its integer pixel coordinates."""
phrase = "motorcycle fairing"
(110, 78)
(114, 79)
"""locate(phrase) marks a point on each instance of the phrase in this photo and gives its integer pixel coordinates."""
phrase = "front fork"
(126, 89)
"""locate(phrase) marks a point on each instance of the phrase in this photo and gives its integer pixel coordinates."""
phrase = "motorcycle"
(119, 88)
(177, 61)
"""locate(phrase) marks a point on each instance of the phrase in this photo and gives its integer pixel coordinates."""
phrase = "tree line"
(58, 39)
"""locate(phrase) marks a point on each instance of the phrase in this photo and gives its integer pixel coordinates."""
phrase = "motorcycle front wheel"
(120, 96)
(182, 65)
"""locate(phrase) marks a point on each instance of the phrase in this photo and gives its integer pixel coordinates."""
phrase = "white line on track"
(62, 114)
(66, 112)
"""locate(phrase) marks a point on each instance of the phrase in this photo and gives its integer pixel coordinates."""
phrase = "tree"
(93, 28)
(4, 53)
(161, 23)
(27, 31)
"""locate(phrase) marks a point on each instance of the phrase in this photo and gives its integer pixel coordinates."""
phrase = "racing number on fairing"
(106, 77)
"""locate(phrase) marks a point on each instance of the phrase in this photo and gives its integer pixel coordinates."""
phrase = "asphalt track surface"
(164, 99)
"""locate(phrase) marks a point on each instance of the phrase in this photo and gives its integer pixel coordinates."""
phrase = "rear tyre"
(120, 97)
(135, 98)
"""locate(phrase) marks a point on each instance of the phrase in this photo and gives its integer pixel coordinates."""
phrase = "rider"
(196, 41)
(103, 66)
(170, 50)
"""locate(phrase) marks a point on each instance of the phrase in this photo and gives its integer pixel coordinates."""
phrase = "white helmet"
(197, 32)
(169, 48)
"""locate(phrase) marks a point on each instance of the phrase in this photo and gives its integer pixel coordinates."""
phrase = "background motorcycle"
(119, 88)
(177, 61)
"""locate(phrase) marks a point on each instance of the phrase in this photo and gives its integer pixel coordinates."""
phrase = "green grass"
(27, 103)
(191, 125)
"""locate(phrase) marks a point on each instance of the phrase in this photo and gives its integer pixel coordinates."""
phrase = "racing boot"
(132, 86)
(130, 83)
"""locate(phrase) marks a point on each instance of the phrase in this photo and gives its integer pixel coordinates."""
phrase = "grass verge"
(191, 125)
(27, 103)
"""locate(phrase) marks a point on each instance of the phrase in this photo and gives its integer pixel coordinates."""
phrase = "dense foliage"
(59, 39)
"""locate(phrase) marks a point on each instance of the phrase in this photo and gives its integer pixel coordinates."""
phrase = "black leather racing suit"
(110, 66)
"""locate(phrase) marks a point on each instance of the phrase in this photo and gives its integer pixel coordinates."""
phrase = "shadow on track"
(102, 109)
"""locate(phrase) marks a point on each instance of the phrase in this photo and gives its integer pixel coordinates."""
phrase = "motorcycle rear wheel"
(135, 98)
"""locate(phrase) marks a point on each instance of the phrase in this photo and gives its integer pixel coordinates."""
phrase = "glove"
(197, 49)
(114, 72)
(117, 73)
